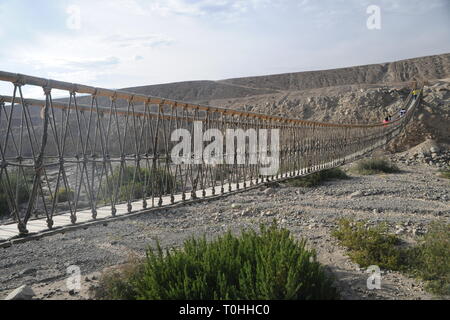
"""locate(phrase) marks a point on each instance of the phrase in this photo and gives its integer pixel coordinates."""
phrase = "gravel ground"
(408, 201)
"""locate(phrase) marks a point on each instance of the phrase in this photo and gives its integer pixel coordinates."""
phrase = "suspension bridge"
(98, 155)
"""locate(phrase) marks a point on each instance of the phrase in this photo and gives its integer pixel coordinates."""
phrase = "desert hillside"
(424, 68)
(360, 94)
(431, 67)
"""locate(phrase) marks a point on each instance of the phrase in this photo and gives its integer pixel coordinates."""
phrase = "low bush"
(375, 166)
(253, 266)
(17, 185)
(369, 245)
(4, 208)
(120, 283)
(445, 173)
(318, 178)
(429, 260)
(138, 183)
(64, 195)
(222, 172)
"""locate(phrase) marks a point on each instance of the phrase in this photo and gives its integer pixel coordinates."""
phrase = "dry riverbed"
(408, 201)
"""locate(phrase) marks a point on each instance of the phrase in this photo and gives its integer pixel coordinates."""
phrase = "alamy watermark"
(73, 282)
(374, 280)
(374, 20)
(73, 21)
(237, 146)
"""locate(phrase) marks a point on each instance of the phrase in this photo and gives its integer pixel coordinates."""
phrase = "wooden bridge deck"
(10, 234)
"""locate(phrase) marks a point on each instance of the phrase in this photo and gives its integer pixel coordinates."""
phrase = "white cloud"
(80, 76)
(411, 7)
(123, 43)
(73, 59)
(202, 8)
(152, 40)
(82, 57)
(2, 14)
(406, 7)
(75, 64)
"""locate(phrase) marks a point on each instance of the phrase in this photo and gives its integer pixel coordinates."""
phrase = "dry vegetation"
(374, 245)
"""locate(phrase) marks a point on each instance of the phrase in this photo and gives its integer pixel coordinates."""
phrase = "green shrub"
(429, 260)
(135, 184)
(119, 284)
(4, 208)
(268, 265)
(445, 174)
(17, 184)
(222, 172)
(64, 195)
(369, 245)
(318, 178)
(375, 166)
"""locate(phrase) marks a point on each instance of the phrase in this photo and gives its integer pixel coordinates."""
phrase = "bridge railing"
(101, 150)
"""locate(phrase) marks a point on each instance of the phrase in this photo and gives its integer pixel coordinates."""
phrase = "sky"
(124, 43)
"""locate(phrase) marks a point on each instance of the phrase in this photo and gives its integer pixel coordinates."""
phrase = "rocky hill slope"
(423, 68)
(360, 104)
(362, 94)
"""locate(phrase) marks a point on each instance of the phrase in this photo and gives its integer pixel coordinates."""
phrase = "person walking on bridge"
(415, 93)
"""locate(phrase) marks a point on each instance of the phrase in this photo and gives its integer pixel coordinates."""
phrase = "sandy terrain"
(408, 201)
